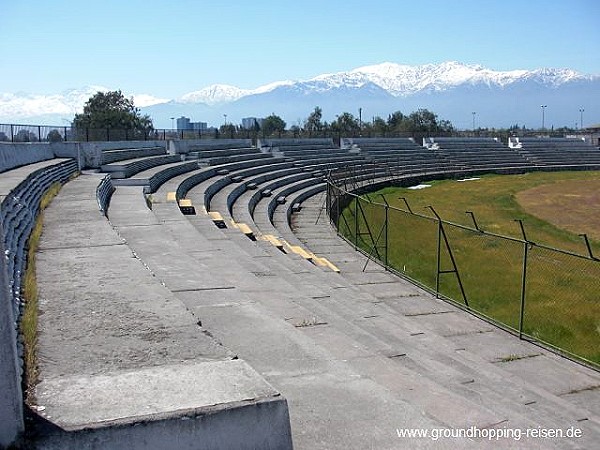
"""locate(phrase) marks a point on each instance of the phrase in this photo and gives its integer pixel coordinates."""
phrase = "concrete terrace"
(155, 325)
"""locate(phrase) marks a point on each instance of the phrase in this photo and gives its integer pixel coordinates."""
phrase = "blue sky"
(169, 48)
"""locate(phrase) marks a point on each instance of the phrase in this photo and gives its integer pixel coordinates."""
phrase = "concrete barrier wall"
(91, 152)
(190, 145)
(275, 142)
(15, 155)
(22, 189)
(11, 403)
(264, 425)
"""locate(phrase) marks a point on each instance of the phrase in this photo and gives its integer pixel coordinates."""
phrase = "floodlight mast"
(543, 115)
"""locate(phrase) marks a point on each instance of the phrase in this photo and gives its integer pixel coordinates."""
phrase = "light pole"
(225, 117)
(474, 120)
(581, 111)
(360, 118)
(543, 115)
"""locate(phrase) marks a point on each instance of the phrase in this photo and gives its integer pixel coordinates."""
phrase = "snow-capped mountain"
(21, 106)
(217, 94)
(214, 95)
(451, 89)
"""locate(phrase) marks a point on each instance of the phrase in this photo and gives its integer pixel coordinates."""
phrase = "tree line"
(113, 111)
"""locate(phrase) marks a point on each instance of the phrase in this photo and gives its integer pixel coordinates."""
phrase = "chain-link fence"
(543, 294)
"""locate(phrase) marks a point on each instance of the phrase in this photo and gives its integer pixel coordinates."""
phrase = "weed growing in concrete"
(29, 318)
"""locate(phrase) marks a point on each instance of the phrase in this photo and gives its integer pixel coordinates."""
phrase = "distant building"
(199, 126)
(184, 123)
(248, 123)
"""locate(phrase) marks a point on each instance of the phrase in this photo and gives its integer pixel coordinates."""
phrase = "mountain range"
(454, 91)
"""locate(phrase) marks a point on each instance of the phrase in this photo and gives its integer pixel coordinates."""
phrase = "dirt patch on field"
(573, 205)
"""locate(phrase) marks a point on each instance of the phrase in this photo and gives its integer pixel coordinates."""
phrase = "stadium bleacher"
(272, 301)
(546, 151)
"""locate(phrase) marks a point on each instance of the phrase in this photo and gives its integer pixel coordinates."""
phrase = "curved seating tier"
(557, 151)
(478, 153)
(129, 167)
(21, 190)
(121, 154)
(133, 334)
(296, 303)
(104, 192)
(336, 319)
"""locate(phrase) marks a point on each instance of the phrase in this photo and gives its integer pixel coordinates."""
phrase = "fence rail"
(57, 133)
(542, 294)
(50, 133)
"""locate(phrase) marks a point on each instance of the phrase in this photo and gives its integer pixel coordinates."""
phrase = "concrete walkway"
(361, 357)
(122, 361)
(370, 348)
(536, 387)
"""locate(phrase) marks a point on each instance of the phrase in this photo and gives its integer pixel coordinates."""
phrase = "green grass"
(561, 303)
(29, 318)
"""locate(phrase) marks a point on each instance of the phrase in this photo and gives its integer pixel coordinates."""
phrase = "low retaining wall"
(190, 145)
(16, 155)
(11, 397)
(20, 195)
(203, 405)
(91, 152)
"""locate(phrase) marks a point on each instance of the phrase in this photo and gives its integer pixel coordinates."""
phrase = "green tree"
(346, 124)
(395, 120)
(446, 126)
(379, 125)
(422, 120)
(25, 136)
(228, 130)
(112, 110)
(54, 136)
(273, 125)
(313, 122)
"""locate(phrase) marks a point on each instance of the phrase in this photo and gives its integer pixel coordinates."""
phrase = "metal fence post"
(356, 222)
(523, 288)
(438, 259)
(337, 209)
(523, 279)
(386, 225)
(387, 208)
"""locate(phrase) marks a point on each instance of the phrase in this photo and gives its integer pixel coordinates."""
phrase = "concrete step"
(130, 334)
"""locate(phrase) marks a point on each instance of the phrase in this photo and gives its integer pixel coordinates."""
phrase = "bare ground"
(573, 205)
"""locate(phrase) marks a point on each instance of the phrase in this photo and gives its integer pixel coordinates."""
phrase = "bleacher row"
(21, 190)
(232, 233)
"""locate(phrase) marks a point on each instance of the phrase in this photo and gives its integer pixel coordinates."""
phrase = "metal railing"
(542, 294)
(51, 133)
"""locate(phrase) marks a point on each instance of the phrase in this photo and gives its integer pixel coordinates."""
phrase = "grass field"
(562, 302)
